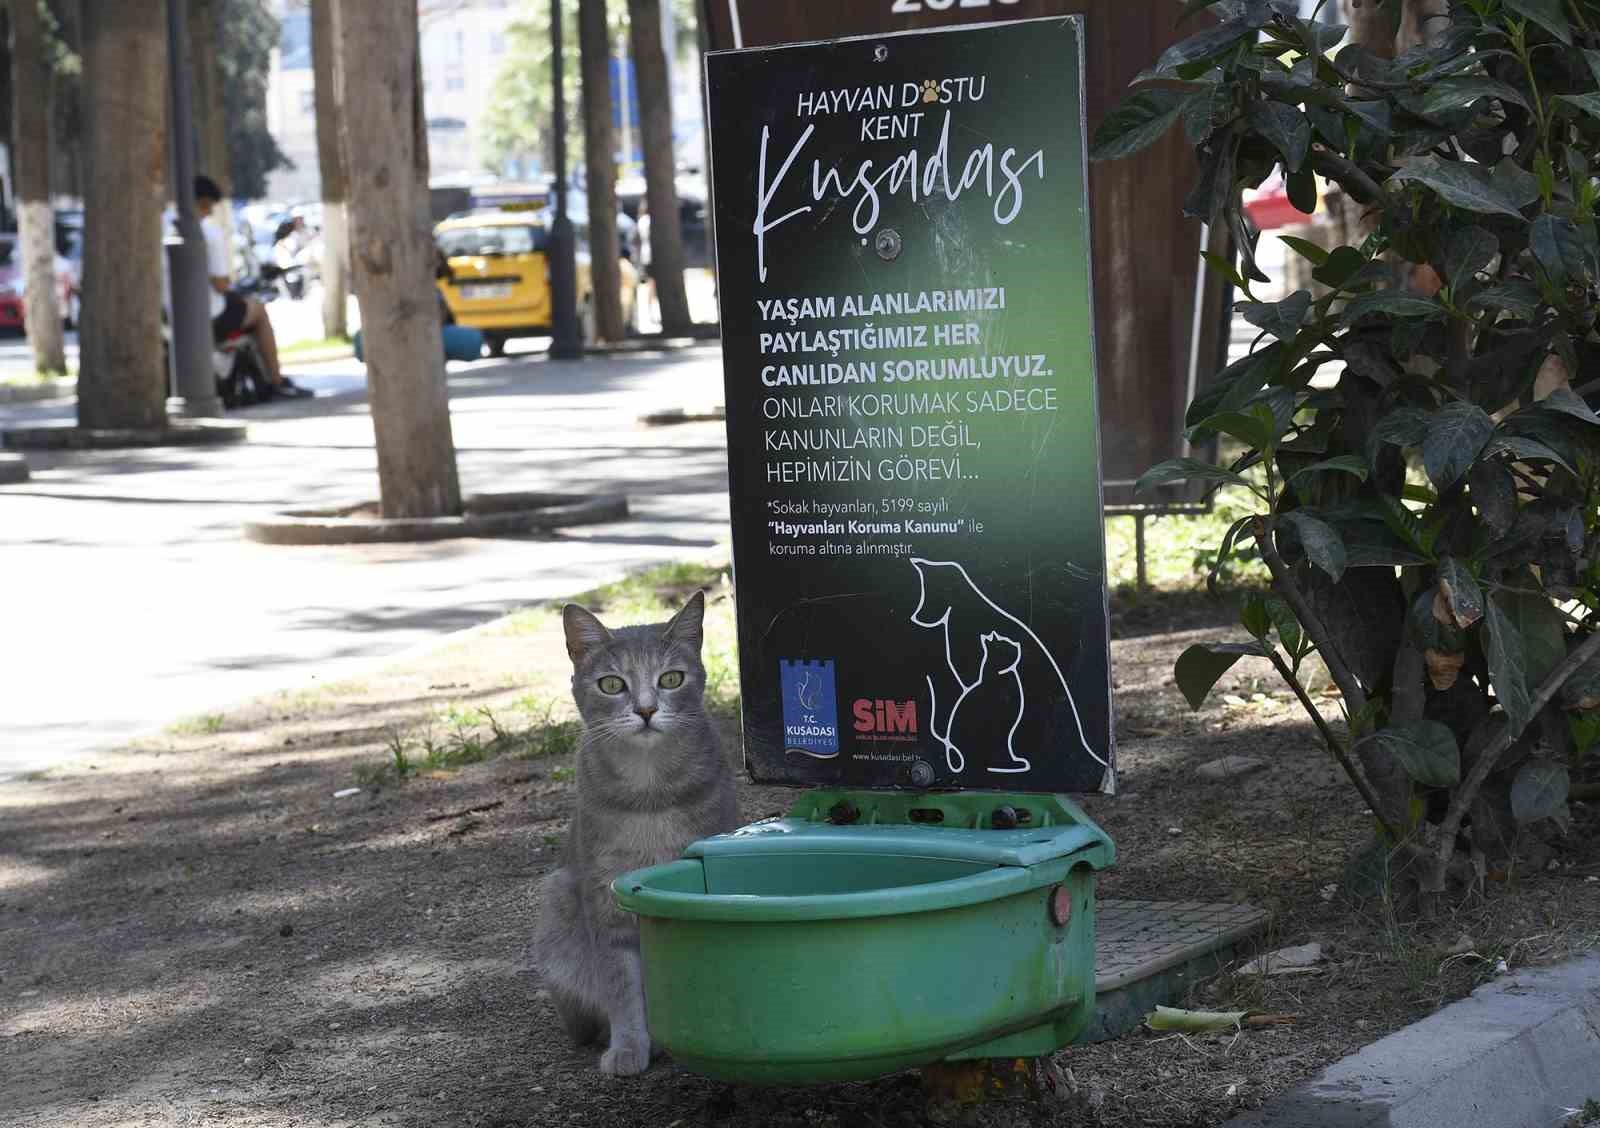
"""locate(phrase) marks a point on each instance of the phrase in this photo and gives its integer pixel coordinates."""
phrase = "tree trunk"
(605, 271)
(660, 165)
(330, 161)
(121, 379)
(30, 133)
(210, 122)
(66, 154)
(385, 142)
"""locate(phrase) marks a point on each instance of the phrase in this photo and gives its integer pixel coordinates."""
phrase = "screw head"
(880, 53)
(887, 244)
(921, 773)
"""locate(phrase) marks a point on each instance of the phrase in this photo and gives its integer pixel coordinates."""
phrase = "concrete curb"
(13, 469)
(31, 393)
(485, 515)
(177, 432)
(1522, 1051)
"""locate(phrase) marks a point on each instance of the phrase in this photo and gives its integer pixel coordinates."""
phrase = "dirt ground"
(198, 930)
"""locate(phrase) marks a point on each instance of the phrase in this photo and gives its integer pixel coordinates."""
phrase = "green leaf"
(1281, 319)
(1568, 402)
(1460, 593)
(1283, 618)
(1561, 249)
(1139, 121)
(1324, 547)
(1285, 127)
(1457, 433)
(1507, 668)
(1343, 464)
(1588, 103)
(1464, 185)
(1519, 298)
(1301, 188)
(1253, 614)
(1320, 37)
(1306, 249)
(1191, 7)
(1202, 47)
(1468, 251)
(1235, 385)
(1225, 268)
(1394, 303)
(1494, 492)
(1540, 791)
(1427, 751)
(1514, 182)
(1547, 14)
(1342, 265)
(1453, 93)
(1199, 667)
(1524, 449)
(1205, 109)
(1255, 428)
(1541, 628)
(1374, 114)
(1593, 59)
(1188, 470)
(1403, 427)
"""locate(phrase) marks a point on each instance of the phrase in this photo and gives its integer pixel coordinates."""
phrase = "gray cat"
(651, 780)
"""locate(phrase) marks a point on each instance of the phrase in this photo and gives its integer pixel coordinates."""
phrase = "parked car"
(498, 277)
(12, 285)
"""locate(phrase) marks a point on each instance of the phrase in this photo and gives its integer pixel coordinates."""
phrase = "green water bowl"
(866, 933)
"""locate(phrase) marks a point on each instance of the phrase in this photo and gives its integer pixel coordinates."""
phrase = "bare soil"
(197, 931)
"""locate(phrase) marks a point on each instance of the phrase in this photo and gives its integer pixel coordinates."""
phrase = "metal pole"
(194, 383)
(567, 342)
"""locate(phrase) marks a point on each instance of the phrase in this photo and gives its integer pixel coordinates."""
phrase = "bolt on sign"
(1158, 317)
(902, 237)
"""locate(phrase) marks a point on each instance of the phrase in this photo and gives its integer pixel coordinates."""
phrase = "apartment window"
(455, 82)
(497, 43)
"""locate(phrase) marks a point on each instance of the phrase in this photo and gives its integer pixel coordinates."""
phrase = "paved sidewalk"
(129, 596)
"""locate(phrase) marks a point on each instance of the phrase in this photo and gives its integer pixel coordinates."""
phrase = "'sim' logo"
(875, 715)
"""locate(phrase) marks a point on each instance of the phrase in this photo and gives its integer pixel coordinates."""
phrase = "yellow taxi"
(499, 276)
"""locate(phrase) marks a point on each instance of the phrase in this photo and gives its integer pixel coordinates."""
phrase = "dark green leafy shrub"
(1427, 506)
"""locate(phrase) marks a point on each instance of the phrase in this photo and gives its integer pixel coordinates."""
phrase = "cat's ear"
(688, 625)
(584, 631)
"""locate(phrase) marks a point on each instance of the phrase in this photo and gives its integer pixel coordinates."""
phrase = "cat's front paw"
(624, 1059)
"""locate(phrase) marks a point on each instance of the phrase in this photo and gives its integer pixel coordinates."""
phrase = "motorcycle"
(236, 361)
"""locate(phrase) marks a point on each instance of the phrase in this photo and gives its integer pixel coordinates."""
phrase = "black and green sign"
(914, 458)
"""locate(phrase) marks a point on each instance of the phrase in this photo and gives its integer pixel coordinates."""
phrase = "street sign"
(1159, 319)
(902, 238)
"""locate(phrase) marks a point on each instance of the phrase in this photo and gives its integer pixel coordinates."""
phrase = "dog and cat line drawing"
(991, 658)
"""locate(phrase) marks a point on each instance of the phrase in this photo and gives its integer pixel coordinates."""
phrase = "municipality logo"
(810, 709)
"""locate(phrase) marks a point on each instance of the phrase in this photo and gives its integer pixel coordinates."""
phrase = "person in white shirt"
(232, 312)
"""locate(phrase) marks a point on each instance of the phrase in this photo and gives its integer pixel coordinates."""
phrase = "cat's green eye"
(612, 684)
(672, 679)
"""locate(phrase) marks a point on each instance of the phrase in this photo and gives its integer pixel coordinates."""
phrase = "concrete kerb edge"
(177, 433)
(487, 515)
(1520, 1051)
(13, 469)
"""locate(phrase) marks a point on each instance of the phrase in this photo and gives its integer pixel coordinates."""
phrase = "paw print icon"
(930, 90)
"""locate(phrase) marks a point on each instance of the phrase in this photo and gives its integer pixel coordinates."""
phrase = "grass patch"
(205, 724)
(314, 345)
(29, 378)
(456, 735)
(1180, 551)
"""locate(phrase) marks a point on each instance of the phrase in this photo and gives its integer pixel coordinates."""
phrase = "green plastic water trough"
(868, 932)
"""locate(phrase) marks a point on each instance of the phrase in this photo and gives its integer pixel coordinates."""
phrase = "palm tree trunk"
(30, 132)
(330, 161)
(378, 72)
(122, 381)
(660, 165)
(605, 270)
